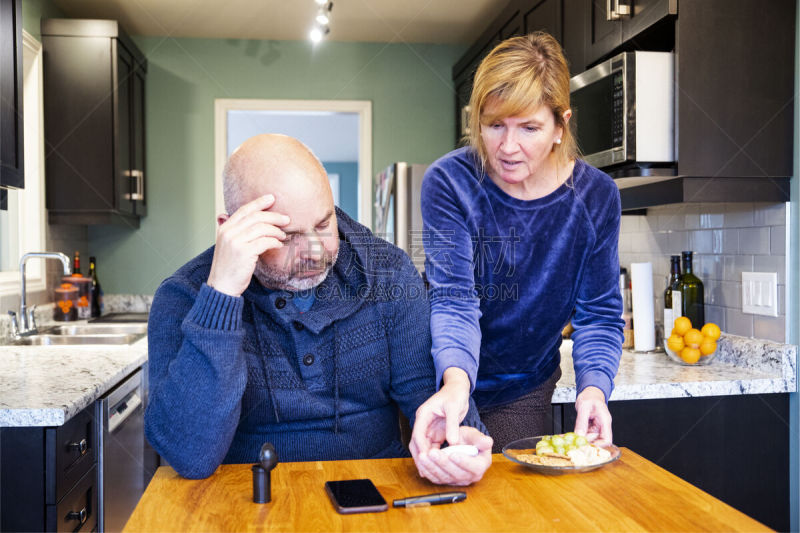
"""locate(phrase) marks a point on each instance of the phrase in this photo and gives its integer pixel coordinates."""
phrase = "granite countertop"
(741, 366)
(47, 385)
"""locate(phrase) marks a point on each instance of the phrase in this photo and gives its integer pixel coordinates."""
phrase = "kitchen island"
(631, 494)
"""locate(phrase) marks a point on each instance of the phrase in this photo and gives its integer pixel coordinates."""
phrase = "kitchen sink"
(46, 339)
(85, 334)
(96, 329)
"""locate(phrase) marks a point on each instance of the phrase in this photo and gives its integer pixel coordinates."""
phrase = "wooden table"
(631, 494)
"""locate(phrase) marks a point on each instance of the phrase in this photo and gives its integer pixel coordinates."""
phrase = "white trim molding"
(31, 226)
(362, 107)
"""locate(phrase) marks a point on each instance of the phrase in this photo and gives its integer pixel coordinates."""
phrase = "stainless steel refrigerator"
(397, 216)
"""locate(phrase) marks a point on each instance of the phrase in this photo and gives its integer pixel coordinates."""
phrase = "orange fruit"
(708, 346)
(693, 338)
(690, 355)
(675, 343)
(711, 331)
(682, 325)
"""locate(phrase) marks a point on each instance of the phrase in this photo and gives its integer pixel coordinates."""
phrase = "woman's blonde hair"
(519, 75)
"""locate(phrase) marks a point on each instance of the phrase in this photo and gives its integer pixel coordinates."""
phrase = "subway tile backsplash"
(727, 239)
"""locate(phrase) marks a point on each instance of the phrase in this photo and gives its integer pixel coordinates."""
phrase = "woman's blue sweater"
(506, 275)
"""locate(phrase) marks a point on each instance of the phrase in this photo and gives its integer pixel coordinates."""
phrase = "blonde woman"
(520, 237)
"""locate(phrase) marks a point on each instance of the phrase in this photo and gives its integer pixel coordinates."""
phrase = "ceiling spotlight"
(322, 18)
(318, 33)
(321, 2)
(315, 35)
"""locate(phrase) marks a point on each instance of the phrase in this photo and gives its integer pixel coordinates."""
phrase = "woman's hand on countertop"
(594, 419)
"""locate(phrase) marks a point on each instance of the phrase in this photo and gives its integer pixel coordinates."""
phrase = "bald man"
(298, 327)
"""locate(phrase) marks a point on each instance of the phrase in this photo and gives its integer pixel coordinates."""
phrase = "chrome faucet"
(27, 322)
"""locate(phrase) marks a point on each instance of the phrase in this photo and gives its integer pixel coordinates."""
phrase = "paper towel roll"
(644, 327)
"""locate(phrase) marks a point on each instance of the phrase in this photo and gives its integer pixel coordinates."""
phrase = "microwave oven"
(623, 110)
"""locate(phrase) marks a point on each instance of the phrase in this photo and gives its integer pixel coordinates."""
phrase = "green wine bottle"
(672, 297)
(691, 289)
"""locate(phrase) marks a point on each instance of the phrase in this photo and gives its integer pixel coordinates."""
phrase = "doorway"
(339, 132)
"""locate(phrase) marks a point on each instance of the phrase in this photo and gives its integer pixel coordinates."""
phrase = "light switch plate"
(760, 293)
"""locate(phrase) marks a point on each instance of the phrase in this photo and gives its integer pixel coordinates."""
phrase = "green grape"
(544, 450)
(571, 447)
(557, 441)
(543, 443)
(580, 440)
(569, 438)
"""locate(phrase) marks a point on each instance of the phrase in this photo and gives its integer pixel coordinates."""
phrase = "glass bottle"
(76, 264)
(97, 291)
(691, 289)
(672, 294)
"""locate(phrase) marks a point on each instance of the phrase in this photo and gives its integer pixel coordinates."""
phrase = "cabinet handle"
(138, 177)
(617, 9)
(81, 515)
(611, 12)
(465, 120)
(82, 446)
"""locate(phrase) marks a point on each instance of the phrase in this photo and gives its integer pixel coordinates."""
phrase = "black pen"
(431, 499)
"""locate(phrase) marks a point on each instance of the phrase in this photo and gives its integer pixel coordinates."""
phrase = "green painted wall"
(35, 10)
(412, 120)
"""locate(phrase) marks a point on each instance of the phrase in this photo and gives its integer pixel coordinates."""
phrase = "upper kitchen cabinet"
(734, 69)
(94, 98)
(11, 153)
(610, 23)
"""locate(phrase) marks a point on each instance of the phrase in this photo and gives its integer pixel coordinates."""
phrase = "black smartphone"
(355, 496)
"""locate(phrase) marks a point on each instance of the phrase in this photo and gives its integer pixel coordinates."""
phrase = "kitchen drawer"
(71, 452)
(77, 511)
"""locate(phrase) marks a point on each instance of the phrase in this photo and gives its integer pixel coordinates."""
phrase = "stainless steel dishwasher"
(121, 463)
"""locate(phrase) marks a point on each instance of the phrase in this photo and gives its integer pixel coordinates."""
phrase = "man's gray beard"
(273, 278)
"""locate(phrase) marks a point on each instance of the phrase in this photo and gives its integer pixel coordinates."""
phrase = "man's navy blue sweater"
(228, 374)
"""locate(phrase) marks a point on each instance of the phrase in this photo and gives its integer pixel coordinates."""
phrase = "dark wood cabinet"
(94, 80)
(602, 34)
(544, 15)
(11, 120)
(48, 476)
(736, 448)
(607, 31)
(735, 67)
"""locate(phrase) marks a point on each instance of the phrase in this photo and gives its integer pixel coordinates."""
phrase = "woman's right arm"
(197, 376)
(455, 311)
(449, 267)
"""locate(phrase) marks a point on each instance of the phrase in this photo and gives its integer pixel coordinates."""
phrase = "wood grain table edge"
(631, 494)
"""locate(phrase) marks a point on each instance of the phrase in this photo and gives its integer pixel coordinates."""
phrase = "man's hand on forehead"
(241, 238)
